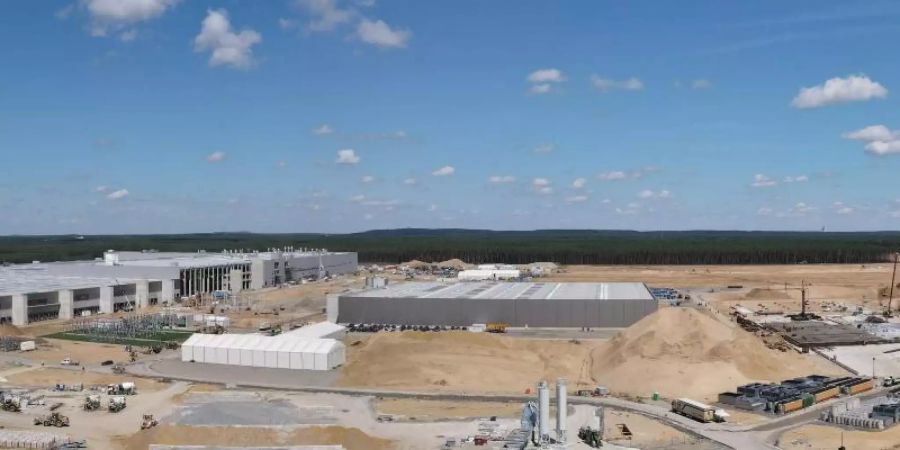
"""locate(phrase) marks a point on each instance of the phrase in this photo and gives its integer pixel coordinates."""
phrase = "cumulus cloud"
(872, 133)
(226, 47)
(216, 157)
(612, 176)
(701, 84)
(881, 148)
(577, 199)
(347, 156)
(357, 198)
(367, 179)
(112, 15)
(648, 194)
(380, 34)
(544, 148)
(117, 195)
(842, 209)
(323, 130)
(607, 84)
(542, 186)
(501, 179)
(762, 180)
(801, 208)
(100, 189)
(326, 14)
(764, 211)
(444, 171)
(854, 88)
(410, 181)
(795, 179)
(542, 80)
(579, 183)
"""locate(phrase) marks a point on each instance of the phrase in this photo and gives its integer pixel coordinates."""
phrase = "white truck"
(70, 362)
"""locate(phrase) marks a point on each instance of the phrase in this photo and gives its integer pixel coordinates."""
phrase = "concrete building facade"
(517, 304)
(125, 280)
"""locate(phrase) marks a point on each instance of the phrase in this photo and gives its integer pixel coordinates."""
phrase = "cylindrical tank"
(543, 411)
(561, 409)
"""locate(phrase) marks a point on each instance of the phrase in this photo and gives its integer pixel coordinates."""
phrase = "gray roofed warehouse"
(519, 304)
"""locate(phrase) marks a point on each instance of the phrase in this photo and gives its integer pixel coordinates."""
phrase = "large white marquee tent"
(285, 351)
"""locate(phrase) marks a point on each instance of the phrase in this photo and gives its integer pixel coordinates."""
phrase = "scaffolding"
(143, 327)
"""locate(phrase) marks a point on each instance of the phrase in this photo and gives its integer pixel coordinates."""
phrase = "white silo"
(561, 410)
(544, 412)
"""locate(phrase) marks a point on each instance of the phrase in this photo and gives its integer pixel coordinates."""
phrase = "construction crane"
(804, 301)
(888, 312)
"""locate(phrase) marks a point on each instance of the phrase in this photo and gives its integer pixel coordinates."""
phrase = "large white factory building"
(46, 291)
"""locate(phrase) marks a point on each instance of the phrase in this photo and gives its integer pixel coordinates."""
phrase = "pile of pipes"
(30, 439)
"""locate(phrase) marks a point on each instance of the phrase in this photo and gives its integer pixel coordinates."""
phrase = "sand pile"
(10, 330)
(683, 352)
(767, 294)
(459, 361)
(418, 265)
(456, 264)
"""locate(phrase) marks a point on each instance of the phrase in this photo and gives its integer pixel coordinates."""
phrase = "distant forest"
(515, 247)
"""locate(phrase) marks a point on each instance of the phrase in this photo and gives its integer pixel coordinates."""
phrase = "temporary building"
(314, 331)
(488, 274)
(253, 350)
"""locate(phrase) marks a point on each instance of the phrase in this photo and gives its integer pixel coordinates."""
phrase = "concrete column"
(66, 304)
(142, 294)
(106, 299)
(167, 292)
(19, 310)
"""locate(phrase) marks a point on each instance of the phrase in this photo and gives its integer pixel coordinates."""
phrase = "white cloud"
(796, 179)
(323, 130)
(432, 208)
(764, 211)
(542, 186)
(347, 156)
(577, 199)
(410, 181)
(226, 46)
(286, 24)
(109, 15)
(544, 148)
(381, 35)
(100, 189)
(117, 195)
(444, 171)
(128, 35)
(647, 194)
(358, 198)
(367, 179)
(579, 183)
(217, 156)
(854, 88)
(881, 148)
(546, 76)
(606, 84)
(872, 133)
(845, 210)
(501, 179)
(326, 14)
(539, 89)
(761, 180)
(617, 175)
(802, 208)
(368, 216)
(701, 84)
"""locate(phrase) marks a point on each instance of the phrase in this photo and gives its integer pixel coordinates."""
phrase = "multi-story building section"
(120, 280)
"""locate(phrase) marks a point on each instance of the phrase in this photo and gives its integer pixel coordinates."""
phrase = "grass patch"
(158, 337)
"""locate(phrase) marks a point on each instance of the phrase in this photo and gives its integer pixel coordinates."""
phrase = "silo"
(561, 410)
(544, 412)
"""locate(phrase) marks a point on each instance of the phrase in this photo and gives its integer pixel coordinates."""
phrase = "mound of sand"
(767, 294)
(459, 361)
(683, 352)
(456, 264)
(419, 265)
(10, 330)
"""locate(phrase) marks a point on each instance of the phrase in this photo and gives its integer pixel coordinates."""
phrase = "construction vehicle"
(496, 327)
(698, 411)
(599, 391)
(891, 381)
(592, 434)
(118, 369)
(127, 388)
(11, 404)
(92, 402)
(148, 422)
(54, 419)
(116, 403)
(69, 362)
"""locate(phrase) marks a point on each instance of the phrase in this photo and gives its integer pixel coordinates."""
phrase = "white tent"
(314, 331)
(253, 350)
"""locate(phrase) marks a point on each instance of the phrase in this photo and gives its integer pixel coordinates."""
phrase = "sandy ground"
(647, 433)
(431, 410)
(459, 362)
(350, 438)
(683, 352)
(820, 437)
(49, 377)
(54, 350)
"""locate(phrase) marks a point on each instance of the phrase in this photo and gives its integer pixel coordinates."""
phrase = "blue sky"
(158, 116)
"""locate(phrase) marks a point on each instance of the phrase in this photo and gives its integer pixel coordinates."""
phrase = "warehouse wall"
(515, 312)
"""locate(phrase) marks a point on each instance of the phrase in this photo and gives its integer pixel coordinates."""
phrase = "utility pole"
(893, 277)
